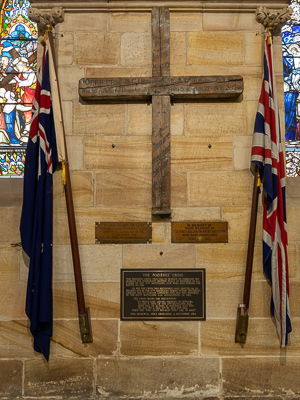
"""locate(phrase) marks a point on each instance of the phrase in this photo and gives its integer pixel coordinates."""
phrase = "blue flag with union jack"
(267, 154)
(37, 212)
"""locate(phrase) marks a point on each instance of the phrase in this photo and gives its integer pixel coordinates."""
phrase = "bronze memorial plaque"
(165, 294)
(123, 232)
(199, 232)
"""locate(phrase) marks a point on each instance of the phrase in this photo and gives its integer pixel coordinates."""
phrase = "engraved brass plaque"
(164, 294)
(123, 232)
(199, 232)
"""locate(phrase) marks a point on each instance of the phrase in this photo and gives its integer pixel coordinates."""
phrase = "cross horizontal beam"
(180, 88)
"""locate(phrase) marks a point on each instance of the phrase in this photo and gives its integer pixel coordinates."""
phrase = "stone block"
(10, 225)
(65, 48)
(158, 232)
(204, 191)
(230, 21)
(130, 22)
(242, 146)
(11, 378)
(254, 71)
(140, 119)
(252, 88)
(196, 214)
(123, 188)
(293, 225)
(159, 338)
(191, 153)
(9, 266)
(99, 119)
(215, 121)
(177, 119)
(178, 48)
(103, 299)
(98, 262)
(227, 261)
(292, 187)
(254, 48)
(224, 48)
(179, 194)
(186, 22)
(251, 109)
(294, 296)
(60, 376)
(15, 340)
(86, 218)
(12, 299)
(238, 224)
(97, 48)
(69, 77)
(223, 303)
(118, 72)
(169, 377)
(67, 112)
(266, 375)
(129, 153)
(218, 338)
(82, 189)
(11, 193)
(75, 147)
(135, 49)
(67, 338)
(97, 22)
(199, 70)
(173, 256)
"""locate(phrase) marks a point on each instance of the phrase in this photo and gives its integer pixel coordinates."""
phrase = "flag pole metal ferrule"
(241, 325)
(86, 327)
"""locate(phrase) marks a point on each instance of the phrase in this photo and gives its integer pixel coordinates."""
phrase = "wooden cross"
(161, 89)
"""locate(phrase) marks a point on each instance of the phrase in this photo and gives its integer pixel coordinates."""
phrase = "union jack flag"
(37, 211)
(267, 154)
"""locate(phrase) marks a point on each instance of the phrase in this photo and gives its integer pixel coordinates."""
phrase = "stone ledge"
(176, 5)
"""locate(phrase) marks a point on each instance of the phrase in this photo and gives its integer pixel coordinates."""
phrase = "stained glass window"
(291, 74)
(18, 59)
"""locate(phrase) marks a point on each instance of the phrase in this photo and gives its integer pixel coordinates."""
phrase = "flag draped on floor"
(267, 154)
(37, 212)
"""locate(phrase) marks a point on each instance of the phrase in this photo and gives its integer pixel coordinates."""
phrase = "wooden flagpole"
(84, 314)
(243, 309)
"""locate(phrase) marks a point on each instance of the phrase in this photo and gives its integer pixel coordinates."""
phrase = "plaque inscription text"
(123, 232)
(199, 232)
(166, 294)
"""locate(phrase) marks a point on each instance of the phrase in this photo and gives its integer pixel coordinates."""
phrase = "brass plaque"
(123, 232)
(199, 232)
(164, 294)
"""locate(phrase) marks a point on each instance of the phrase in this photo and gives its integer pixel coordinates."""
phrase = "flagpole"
(84, 313)
(243, 309)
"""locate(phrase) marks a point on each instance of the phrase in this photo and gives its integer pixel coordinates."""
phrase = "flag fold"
(268, 155)
(37, 212)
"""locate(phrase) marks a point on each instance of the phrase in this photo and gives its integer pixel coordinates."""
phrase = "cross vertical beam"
(161, 115)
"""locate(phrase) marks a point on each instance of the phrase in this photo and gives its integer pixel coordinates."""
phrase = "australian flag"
(36, 219)
(267, 154)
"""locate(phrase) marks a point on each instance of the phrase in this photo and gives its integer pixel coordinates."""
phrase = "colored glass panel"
(18, 64)
(291, 75)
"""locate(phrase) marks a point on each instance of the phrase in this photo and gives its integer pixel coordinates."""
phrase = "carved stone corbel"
(271, 19)
(44, 18)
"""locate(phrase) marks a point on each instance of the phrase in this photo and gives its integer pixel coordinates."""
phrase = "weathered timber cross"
(161, 89)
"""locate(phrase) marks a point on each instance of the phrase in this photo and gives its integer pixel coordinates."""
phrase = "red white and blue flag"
(37, 212)
(267, 154)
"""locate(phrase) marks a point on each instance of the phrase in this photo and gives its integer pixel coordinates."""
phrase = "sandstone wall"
(152, 359)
